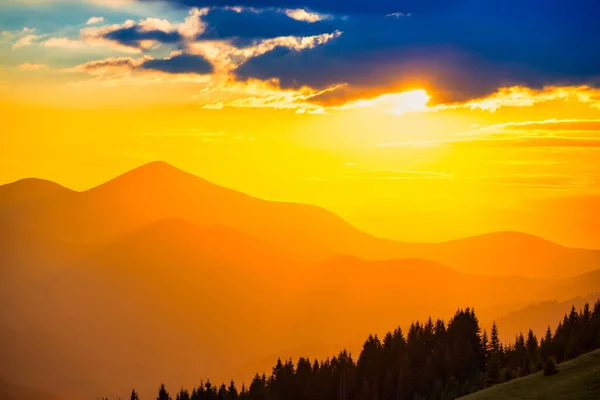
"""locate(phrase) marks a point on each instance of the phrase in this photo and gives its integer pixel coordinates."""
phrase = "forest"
(432, 360)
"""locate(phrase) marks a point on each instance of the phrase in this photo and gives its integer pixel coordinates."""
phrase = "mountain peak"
(156, 167)
(29, 189)
(507, 238)
(153, 175)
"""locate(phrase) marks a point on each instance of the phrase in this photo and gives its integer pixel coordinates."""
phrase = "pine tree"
(163, 394)
(546, 345)
(183, 395)
(485, 345)
(222, 393)
(433, 362)
(533, 352)
(494, 339)
(232, 391)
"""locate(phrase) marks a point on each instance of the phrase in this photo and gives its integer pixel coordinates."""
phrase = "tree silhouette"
(433, 361)
(163, 394)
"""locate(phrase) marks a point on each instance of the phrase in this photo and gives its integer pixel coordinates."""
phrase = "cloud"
(111, 65)
(539, 181)
(520, 96)
(398, 14)
(396, 175)
(300, 14)
(552, 133)
(554, 124)
(95, 20)
(462, 56)
(32, 67)
(394, 103)
(534, 141)
(137, 36)
(148, 33)
(243, 25)
(457, 51)
(13, 34)
(64, 42)
(227, 57)
(180, 64)
(373, 7)
(193, 25)
(26, 40)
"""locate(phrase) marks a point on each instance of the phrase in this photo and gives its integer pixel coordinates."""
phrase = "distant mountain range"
(158, 191)
(159, 275)
(10, 391)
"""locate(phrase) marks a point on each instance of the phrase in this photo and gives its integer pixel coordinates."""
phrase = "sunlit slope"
(513, 253)
(169, 301)
(159, 191)
(576, 379)
(173, 302)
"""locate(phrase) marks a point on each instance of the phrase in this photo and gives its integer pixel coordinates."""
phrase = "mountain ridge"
(158, 191)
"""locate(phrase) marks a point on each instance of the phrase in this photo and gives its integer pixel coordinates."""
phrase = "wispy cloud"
(398, 15)
(520, 96)
(25, 37)
(32, 67)
(394, 174)
(299, 14)
(64, 43)
(535, 181)
(574, 133)
(111, 65)
(95, 20)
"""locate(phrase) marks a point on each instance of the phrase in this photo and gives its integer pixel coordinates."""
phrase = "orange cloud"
(520, 96)
(32, 67)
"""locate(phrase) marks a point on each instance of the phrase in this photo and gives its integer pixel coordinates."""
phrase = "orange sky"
(432, 173)
(396, 161)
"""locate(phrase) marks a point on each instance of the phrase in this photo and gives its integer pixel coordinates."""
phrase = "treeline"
(433, 360)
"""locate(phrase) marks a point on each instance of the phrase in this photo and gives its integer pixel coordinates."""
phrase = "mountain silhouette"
(205, 300)
(159, 191)
(10, 391)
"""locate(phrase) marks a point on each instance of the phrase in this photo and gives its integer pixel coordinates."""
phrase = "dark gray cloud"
(180, 64)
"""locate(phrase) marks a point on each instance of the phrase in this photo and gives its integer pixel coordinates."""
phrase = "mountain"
(173, 301)
(158, 191)
(10, 391)
(538, 316)
(513, 253)
(164, 301)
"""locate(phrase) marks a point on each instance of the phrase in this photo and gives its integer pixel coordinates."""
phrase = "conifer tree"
(494, 339)
(163, 394)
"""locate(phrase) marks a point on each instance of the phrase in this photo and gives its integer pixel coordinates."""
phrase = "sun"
(396, 103)
(411, 101)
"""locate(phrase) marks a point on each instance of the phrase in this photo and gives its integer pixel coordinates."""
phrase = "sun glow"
(395, 103)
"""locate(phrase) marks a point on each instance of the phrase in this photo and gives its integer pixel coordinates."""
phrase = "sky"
(415, 120)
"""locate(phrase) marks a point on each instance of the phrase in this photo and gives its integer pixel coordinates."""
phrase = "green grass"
(576, 379)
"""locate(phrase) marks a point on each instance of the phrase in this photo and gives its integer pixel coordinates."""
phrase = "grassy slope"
(576, 379)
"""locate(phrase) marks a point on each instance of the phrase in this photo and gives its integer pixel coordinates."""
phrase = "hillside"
(159, 264)
(538, 316)
(10, 391)
(577, 379)
(121, 302)
(158, 191)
